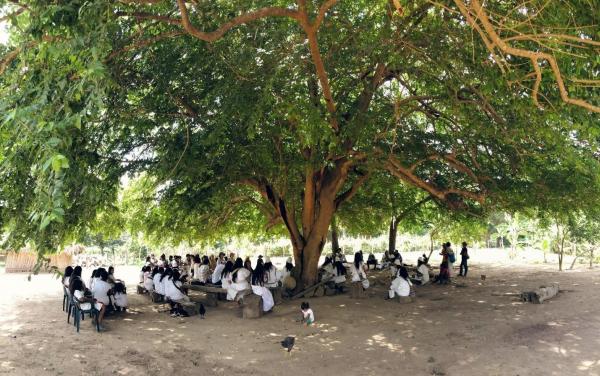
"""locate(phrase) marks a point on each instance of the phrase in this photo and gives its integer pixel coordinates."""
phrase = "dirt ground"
(449, 330)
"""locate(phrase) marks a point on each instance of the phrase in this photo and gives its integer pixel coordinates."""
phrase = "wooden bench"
(211, 293)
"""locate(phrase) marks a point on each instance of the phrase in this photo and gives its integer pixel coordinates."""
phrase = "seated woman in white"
(120, 297)
(239, 279)
(340, 273)
(148, 282)
(203, 271)
(102, 289)
(173, 290)
(157, 279)
(327, 269)
(400, 285)
(258, 288)
(357, 270)
(271, 273)
(287, 269)
(226, 275)
(67, 276)
(218, 272)
(422, 277)
(85, 303)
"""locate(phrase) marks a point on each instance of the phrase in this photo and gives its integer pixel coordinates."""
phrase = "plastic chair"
(79, 314)
(65, 299)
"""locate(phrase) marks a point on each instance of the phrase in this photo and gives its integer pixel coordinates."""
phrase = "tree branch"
(475, 15)
(239, 20)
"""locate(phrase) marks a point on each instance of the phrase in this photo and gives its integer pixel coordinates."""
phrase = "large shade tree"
(288, 107)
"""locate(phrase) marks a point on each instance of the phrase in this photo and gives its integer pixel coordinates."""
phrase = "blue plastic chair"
(66, 299)
(79, 313)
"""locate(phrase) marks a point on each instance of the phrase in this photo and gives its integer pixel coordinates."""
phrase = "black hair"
(163, 257)
(340, 268)
(326, 262)
(197, 259)
(249, 262)
(238, 263)
(175, 276)
(94, 273)
(464, 244)
(111, 270)
(154, 271)
(68, 271)
(448, 244)
(120, 287)
(268, 266)
(304, 305)
(227, 269)
(76, 284)
(289, 266)
(168, 272)
(76, 271)
(205, 260)
(103, 274)
(357, 259)
(403, 273)
(258, 275)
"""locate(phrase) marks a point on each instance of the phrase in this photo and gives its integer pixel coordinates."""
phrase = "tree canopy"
(229, 112)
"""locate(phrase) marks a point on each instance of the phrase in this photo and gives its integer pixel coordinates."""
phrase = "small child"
(308, 317)
(120, 297)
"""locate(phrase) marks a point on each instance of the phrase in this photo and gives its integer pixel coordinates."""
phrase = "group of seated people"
(166, 278)
(335, 269)
(103, 291)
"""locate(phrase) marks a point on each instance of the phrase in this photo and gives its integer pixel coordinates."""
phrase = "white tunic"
(86, 306)
(424, 270)
(148, 282)
(400, 287)
(100, 291)
(272, 277)
(172, 292)
(121, 300)
(267, 297)
(240, 284)
(216, 276)
(158, 285)
(357, 274)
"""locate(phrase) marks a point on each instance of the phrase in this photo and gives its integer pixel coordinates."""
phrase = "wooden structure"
(211, 293)
(252, 306)
(25, 262)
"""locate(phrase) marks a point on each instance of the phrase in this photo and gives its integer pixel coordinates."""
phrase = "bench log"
(357, 291)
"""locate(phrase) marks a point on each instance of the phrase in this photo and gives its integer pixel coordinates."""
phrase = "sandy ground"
(449, 330)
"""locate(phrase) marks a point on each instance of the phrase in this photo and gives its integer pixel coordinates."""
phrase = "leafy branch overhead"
(243, 115)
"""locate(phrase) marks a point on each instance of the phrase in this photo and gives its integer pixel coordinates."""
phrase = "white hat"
(267, 259)
(397, 262)
(421, 259)
(289, 260)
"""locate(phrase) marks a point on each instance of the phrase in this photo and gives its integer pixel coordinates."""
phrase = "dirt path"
(448, 331)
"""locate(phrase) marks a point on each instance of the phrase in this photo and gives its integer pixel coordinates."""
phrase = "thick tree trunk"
(334, 236)
(393, 234)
